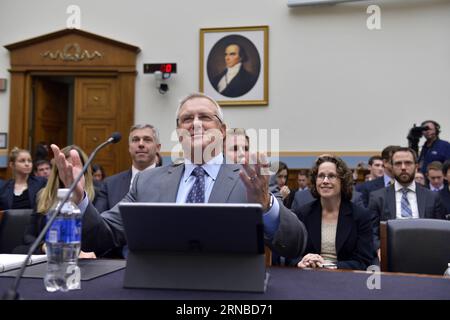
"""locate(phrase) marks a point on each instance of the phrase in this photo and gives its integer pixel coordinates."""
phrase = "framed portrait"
(234, 65)
(3, 140)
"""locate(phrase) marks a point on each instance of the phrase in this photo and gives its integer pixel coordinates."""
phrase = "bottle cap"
(62, 192)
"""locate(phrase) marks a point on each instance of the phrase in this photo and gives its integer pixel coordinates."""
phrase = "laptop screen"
(202, 228)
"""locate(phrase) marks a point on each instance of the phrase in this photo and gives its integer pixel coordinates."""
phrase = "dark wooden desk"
(284, 284)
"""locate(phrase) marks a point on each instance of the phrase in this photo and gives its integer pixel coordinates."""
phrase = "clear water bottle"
(447, 272)
(63, 242)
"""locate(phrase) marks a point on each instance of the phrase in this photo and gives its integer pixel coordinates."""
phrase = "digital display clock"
(163, 67)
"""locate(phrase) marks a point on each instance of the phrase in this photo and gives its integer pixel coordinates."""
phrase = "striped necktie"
(197, 193)
(406, 207)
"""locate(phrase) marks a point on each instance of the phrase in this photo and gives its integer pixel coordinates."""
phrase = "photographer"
(434, 149)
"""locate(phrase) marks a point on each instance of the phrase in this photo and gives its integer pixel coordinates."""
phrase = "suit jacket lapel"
(344, 225)
(390, 202)
(226, 179)
(169, 185)
(314, 223)
(421, 199)
(124, 186)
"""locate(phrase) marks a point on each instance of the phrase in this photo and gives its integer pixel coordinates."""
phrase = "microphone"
(11, 293)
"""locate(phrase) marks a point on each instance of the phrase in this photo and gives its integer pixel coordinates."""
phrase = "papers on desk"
(14, 261)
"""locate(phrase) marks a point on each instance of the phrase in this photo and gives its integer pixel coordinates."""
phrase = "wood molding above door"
(105, 75)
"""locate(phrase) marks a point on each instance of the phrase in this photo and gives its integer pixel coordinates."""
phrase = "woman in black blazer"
(339, 232)
(20, 192)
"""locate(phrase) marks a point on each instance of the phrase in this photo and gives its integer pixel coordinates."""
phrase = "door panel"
(98, 98)
(93, 133)
(95, 118)
(50, 112)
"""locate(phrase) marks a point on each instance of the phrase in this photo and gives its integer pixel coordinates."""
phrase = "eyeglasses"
(188, 119)
(331, 177)
(146, 139)
(236, 131)
(400, 163)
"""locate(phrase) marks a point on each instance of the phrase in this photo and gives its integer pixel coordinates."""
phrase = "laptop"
(207, 246)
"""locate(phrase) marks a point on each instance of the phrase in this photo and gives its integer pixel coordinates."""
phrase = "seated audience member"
(236, 146)
(435, 176)
(42, 168)
(303, 180)
(379, 183)
(98, 173)
(376, 167)
(46, 198)
(303, 197)
(278, 183)
(41, 151)
(420, 178)
(445, 192)
(339, 231)
(202, 178)
(143, 143)
(20, 192)
(405, 199)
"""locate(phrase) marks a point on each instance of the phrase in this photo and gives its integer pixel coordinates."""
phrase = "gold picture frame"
(221, 51)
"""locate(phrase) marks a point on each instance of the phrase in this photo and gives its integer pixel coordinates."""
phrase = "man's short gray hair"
(143, 126)
(199, 95)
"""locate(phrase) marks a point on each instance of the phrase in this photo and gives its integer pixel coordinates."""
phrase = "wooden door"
(96, 117)
(49, 112)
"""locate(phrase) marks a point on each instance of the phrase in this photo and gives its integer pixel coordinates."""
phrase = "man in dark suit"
(367, 187)
(234, 81)
(203, 177)
(143, 144)
(405, 199)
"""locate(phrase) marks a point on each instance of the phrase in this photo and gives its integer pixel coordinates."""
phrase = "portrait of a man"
(233, 66)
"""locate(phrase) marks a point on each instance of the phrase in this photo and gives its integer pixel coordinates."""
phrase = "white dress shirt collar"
(212, 167)
(135, 171)
(410, 187)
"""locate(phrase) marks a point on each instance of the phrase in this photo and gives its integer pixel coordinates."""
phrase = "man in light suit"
(199, 126)
(143, 144)
(405, 199)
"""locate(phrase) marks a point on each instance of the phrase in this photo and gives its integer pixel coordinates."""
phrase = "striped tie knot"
(406, 210)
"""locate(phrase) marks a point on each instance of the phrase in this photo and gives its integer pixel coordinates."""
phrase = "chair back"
(12, 228)
(415, 246)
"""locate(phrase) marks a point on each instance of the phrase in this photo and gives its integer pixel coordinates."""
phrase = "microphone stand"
(11, 293)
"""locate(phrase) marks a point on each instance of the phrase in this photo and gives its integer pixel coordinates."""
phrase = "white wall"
(334, 85)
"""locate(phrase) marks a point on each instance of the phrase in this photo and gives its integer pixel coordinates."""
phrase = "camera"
(161, 84)
(163, 88)
(417, 132)
(414, 135)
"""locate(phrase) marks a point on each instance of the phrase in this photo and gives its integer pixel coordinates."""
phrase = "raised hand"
(68, 169)
(256, 179)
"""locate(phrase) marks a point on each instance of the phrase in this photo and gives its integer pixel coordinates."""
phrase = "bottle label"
(65, 231)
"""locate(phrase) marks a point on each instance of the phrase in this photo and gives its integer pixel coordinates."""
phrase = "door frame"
(69, 52)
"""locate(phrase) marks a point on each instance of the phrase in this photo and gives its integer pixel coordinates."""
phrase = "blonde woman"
(47, 197)
(20, 192)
